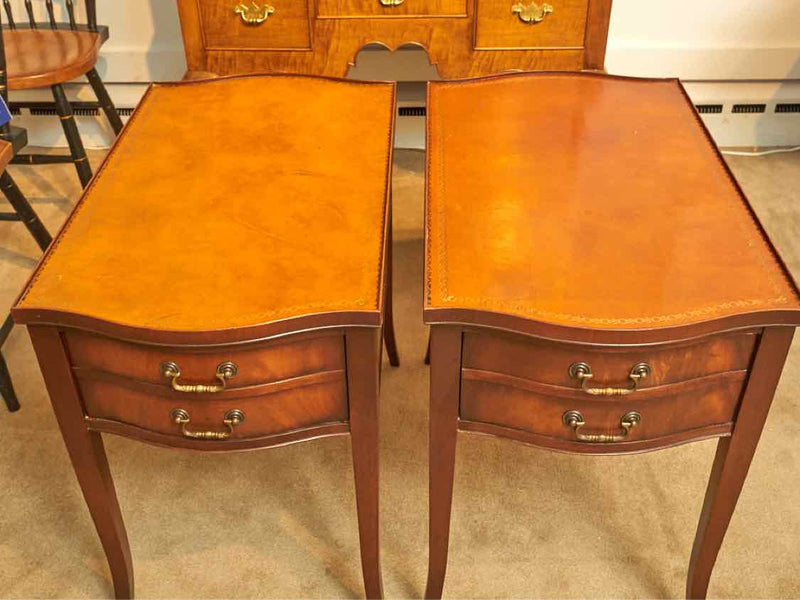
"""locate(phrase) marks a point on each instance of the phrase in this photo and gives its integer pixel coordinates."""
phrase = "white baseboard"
(760, 129)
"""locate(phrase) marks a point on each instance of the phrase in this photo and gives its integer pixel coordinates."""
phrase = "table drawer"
(266, 409)
(255, 363)
(689, 407)
(550, 362)
(391, 8)
(285, 24)
(530, 24)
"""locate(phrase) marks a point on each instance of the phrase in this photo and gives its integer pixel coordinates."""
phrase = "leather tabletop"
(588, 201)
(229, 203)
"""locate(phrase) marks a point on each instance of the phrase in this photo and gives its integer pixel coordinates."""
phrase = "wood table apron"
(508, 360)
(462, 37)
(239, 380)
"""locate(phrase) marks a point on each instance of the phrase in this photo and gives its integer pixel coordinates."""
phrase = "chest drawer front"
(267, 410)
(549, 362)
(255, 363)
(270, 25)
(390, 8)
(690, 407)
(525, 24)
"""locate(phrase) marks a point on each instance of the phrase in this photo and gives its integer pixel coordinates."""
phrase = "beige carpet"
(281, 523)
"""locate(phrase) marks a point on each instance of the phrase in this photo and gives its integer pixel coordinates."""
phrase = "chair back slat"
(51, 13)
(9, 15)
(71, 13)
(31, 16)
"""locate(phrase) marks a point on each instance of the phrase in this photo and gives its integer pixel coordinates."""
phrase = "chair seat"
(44, 57)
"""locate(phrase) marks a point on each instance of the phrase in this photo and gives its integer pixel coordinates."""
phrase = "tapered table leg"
(733, 458)
(388, 325)
(88, 456)
(363, 369)
(444, 389)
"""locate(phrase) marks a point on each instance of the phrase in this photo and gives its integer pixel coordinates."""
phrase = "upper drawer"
(550, 362)
(530, 24)
(391, 8)
(255, 363)
(263, 25)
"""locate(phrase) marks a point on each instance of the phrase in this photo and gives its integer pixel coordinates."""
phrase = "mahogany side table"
(224, 287)
(596, 282)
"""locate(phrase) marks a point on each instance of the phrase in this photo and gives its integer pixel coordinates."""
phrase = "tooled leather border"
(517, 306)
(268, 315)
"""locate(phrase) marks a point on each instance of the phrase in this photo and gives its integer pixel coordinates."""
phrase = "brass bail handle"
(574, 419)
(531, 13)
(583, 373)
(391, 3)
(225, 371)
(252, 13)
(232, 419)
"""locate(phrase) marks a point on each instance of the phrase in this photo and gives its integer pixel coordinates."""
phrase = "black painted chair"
(50, 53)
(12, 140)
(22, 211)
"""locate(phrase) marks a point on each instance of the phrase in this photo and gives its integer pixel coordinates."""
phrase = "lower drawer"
(686, 408)
(264, 410)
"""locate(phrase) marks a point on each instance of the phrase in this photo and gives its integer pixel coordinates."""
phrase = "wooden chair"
(50, 54)
(24, 212)
(13, 140)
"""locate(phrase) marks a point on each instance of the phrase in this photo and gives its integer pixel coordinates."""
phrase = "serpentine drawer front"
(323, 37)
(622, 299)
(188, 309)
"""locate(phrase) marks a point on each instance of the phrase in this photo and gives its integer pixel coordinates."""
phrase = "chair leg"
(73, 136)
(105, 100)
(6, 385)
(25, 210)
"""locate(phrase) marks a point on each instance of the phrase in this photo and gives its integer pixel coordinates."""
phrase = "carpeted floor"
(281, 523)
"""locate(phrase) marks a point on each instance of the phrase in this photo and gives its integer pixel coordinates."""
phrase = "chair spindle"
(51, 13)
(91, 14)
(71, 13)
(9, 14)
(31, 16)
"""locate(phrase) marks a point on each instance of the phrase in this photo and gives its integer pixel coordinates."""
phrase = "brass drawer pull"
(391, 3)
(253, 14)
(225, 371)
(232, 419)
(574, 419)
(533, 13)
(583, 373)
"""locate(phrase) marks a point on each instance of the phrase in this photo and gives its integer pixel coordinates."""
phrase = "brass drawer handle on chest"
(253, 14)
(232, 419)
(532, 13)
(225, 371)
(574, 419)
(583, 373)
(391, 3)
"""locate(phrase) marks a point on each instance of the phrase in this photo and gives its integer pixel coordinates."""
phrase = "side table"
(596, 282)
(223, 287)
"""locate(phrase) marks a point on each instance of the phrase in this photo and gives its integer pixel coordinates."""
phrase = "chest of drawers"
(596, 283)
(462, 37)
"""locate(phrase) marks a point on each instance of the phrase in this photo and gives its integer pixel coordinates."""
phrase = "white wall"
(747, 50)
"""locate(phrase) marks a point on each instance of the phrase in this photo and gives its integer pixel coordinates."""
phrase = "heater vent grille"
(749, 108)
(709, 109)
